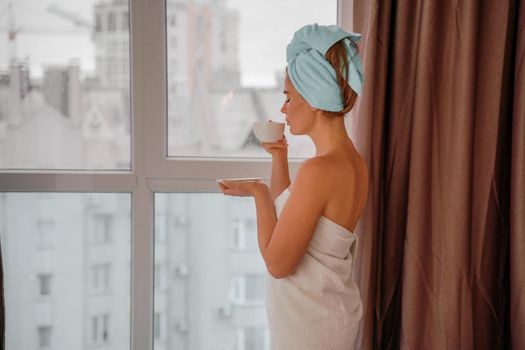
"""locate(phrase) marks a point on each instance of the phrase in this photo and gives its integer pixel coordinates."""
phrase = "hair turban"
(311, 73)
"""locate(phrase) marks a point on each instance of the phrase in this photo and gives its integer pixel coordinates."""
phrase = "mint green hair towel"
(311, 73)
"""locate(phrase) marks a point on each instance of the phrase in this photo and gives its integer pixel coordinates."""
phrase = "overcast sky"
(266, 27)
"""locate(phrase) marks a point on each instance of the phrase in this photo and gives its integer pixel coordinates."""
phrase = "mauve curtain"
(441, 263)
(2, 303)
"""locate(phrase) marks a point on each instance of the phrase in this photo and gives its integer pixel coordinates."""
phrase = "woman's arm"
(280, 179)
(266, 218)
(284, 242)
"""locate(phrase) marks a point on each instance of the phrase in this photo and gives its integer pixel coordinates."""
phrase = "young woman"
(306, 229)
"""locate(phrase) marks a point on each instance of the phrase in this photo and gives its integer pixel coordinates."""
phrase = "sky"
(265, 28)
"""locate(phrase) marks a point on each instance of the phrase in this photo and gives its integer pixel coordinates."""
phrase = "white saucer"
(241, 179)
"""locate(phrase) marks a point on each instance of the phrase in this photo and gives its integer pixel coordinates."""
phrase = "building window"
(44, 337)
(100, 329)
(172, 20)
(173, 42)
(125, 21)
(253, 339)
(100, 277)
(45, 231)
(173, 67)
(112, 21)
(44, 285)
(245, 235)
(101, 230)
(249, 289)
(98, 22)
(254, 288)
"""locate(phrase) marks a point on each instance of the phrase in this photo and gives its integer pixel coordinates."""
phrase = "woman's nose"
(283, 108)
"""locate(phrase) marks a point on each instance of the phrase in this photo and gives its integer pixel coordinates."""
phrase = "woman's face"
(299, 114)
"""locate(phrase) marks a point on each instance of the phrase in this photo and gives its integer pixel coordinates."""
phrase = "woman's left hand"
(241, 188)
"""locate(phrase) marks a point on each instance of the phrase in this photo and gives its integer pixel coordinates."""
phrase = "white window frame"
(151, 170)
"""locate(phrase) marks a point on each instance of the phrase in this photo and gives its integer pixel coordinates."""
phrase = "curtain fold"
(441, 124)
(516, 311)
(2, 302)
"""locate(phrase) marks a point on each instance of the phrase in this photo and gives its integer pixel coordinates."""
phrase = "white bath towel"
(319, 306)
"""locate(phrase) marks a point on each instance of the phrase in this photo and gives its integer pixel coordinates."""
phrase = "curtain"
(441, 124)
(2, 303)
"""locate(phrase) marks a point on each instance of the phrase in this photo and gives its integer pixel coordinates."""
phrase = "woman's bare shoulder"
(316, 166)
(340, 169)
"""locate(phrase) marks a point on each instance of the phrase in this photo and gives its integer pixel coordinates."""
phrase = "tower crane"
(73, 17)
(13, 30)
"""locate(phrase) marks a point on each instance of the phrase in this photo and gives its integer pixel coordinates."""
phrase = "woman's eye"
(288, 100)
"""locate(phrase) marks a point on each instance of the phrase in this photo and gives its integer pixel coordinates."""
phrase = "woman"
(306, 230)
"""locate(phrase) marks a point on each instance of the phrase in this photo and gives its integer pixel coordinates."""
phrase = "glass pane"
(208, 293)
(72, 292)
(65, 85)
(226, 62)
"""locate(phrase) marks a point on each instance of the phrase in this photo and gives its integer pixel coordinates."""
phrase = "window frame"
(151, 170)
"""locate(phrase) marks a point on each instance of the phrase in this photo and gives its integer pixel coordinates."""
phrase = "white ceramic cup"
(268, 131)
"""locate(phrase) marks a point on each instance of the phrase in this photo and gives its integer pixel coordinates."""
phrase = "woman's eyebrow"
(286, 92)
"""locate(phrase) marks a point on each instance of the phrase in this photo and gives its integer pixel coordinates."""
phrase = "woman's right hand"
(280, 147)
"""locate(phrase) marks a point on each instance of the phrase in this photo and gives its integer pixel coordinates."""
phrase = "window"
(101, 277)
(101, 229)
(112, 21)
(65, 99)
(234, 80)
(45, 230)
(125, 21)
(172, 20)
(80, 136)
(250, 338)
(44, 337)
(73, 279)
(173, 42)
(98, 22)
(245, 235)
(254, 287)
(100, 329)
(44, 285)
(249, 289)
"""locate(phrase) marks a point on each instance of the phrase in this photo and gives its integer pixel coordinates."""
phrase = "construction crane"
(13, 30)
(76, 19)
